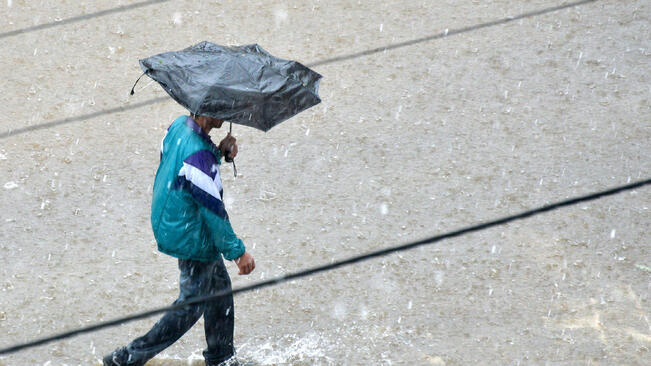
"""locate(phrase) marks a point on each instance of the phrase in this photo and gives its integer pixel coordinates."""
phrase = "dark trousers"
(196, 279)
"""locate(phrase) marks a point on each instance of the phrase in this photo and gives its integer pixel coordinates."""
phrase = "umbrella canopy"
(240, 84)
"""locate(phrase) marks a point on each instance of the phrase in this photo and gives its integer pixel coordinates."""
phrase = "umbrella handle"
(231, 160)
(228, 160)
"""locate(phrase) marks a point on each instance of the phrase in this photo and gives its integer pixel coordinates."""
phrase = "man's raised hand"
(228, 146)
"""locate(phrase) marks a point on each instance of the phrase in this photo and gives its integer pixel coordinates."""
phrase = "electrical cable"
(328, 267)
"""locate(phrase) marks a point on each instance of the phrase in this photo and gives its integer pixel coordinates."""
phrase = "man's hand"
(245, 263)
(228, 146)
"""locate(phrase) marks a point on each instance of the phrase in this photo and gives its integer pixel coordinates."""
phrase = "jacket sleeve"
(200, 171)
(222, 235)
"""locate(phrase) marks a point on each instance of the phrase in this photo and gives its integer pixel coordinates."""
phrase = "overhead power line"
(82, 117)
(449, 32)
(341, 58)
(328, 267)
(79, 18)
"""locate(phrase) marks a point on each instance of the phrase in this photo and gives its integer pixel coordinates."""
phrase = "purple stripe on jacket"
(205, 161)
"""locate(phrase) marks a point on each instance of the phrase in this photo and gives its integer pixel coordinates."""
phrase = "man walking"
(190, 223)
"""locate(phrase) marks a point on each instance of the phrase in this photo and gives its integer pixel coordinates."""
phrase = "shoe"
(230, 362)
(115, 358)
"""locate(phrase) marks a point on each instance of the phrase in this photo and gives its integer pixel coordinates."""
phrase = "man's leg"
(219, 319)
(195, 280)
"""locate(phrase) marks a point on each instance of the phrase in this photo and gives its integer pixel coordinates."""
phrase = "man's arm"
(221, 232)
(228, 149)
(200, 171)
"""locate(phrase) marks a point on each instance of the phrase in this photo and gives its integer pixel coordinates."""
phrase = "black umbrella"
(240, 84)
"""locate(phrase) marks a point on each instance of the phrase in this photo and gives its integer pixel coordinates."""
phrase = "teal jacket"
(187, 212)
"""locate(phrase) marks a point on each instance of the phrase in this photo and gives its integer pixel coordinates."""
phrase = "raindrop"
(339, 311)
(280, 16)
(438, 277)
(177, 19)
(363, 312)
(579, 60)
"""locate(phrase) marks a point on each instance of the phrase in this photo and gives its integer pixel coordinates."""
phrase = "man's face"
(216, 123)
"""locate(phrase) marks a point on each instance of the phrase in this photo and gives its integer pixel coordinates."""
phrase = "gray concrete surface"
(407, 143)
